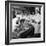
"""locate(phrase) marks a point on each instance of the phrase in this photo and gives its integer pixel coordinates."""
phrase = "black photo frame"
(7, 21)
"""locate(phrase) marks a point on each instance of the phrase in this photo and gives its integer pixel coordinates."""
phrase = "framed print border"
(7, 22)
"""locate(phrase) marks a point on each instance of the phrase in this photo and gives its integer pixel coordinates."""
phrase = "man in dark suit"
(29, 32)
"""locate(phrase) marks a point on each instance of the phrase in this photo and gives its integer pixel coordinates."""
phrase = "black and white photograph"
(24, 22)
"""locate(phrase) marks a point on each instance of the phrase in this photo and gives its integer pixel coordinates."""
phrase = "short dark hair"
(22, 20)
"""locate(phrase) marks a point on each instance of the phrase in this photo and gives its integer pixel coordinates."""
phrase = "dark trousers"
(29, 32)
